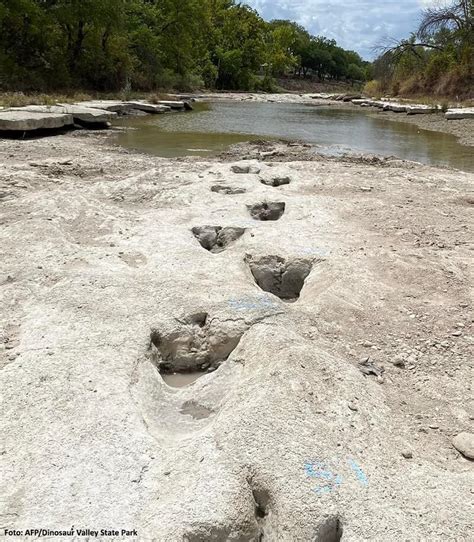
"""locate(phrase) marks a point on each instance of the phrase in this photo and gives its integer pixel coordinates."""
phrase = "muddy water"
(213, 127)
(181, 380)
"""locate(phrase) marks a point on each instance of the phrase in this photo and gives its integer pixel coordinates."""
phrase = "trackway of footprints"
(183, 350)
(199, 344)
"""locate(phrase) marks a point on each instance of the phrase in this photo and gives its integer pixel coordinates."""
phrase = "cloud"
(358, 25)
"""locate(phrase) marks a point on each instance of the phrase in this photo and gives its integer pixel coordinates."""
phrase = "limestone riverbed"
(326, 322)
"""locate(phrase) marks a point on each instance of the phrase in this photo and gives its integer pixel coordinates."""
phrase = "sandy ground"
(331, 416)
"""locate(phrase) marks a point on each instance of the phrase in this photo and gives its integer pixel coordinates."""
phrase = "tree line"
(110, 45)
(437, 59)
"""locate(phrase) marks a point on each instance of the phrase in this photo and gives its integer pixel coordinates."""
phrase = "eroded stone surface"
(464, 443)
(215, 238)
(287, 438)
(196, 343)
(275, 180)
(24, 121)
(148, 107)
(460, 113)
(80, 114)
(245, 168)
(282, 277)
(267, 210)
(173, 104)
(115, 106)
(229, 190)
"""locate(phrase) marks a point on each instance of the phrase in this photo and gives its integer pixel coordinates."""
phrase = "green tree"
(148, 44)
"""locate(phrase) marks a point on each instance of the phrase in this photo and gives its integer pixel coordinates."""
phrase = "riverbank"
(267, 97)
(328, 381)
(435, 122)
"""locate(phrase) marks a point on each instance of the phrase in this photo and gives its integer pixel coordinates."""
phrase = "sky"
(357, 25)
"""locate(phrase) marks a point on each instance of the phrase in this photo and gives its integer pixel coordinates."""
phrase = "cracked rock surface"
(287, 440)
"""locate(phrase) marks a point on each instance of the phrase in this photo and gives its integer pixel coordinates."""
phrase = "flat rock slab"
(127, 107)
(398, 108)
(79, 113)
(395, 107)
(460, 113)
(420, 109)
(148, 107)
(376, 103)
(350, 97)
(172, 104)
(21, 120)
(115, 106)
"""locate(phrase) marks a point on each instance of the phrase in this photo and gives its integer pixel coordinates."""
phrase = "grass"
(20, 99)
(372, 88)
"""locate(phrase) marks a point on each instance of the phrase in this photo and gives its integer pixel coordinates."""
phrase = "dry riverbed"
(326, 310)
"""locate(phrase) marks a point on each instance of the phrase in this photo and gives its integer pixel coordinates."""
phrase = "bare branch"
(454, 17)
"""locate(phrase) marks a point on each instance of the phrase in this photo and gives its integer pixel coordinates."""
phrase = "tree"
(148, 44)
(438, 57)
(241, 49)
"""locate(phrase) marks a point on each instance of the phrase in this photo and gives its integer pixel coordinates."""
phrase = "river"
(212, 127)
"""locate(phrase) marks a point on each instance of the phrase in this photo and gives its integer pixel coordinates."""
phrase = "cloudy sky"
(355, 24)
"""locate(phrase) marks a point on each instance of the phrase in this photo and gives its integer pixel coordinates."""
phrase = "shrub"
(372, 88)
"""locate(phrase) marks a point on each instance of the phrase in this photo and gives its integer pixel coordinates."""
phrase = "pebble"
(399, 360)
(457, 333)
(407, 454)
(464, 443)
(245, 169)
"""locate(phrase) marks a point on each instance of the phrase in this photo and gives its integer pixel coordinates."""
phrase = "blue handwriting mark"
(326, 477)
